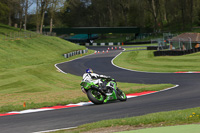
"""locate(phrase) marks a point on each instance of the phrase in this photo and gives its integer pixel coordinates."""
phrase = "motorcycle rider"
(96, 79)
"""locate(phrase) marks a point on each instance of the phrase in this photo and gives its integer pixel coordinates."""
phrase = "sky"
(32, 8)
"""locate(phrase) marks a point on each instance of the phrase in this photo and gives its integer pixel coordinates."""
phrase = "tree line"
(158, 15)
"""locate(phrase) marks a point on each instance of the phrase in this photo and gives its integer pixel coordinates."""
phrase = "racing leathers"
(97, 79)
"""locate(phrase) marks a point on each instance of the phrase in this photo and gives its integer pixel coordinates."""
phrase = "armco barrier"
(176, 52)
(75, 53)
(152, 48)
(102, 44)
(141, 42)
(156, 47)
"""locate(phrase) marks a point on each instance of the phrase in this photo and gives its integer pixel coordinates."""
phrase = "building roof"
(193, 37)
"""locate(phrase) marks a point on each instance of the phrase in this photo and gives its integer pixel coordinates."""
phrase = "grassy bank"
(178, 117)
(27, 72)
(146, 61)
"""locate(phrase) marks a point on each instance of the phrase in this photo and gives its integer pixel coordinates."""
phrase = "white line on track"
(112, 61)
(69, 61)
(55, 130)
(82, 103)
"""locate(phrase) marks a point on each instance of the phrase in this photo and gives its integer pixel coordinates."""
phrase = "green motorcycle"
(99, 94)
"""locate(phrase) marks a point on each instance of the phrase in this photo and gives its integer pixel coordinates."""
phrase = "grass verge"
(178, 117)
(145, 61)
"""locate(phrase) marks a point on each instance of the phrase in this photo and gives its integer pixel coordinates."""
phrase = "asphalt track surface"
(187, 95)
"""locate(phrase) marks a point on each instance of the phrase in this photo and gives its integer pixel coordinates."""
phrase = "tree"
(196, 12)
(27, 4)
(44, 5)
(37, 16)
(76, 13)
(54, 6)
(152, 6)
(13, 6)
(125, 7)
(152, 14)
(136, 14)
(3, 11)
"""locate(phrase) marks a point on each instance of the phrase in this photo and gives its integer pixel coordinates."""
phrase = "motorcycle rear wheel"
(95, 96)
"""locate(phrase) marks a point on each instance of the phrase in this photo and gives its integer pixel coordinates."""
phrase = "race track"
(187, 95)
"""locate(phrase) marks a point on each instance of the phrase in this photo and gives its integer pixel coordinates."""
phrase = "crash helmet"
(89, 70)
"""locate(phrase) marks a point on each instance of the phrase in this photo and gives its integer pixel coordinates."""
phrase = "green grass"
(7, 29)
(178, 117)
(135, 48)
(27, 73)
(11, 33)
(146, 61)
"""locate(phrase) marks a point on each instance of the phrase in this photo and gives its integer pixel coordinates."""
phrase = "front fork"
(83, 90)
(112, 96)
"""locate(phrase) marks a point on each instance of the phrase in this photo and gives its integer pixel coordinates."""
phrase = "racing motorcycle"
(99, 95)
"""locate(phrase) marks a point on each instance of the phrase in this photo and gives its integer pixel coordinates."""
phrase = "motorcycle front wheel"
(95, 96)
(121, 95)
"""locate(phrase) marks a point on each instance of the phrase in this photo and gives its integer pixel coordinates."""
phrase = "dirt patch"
(117, 129)
(128, 128)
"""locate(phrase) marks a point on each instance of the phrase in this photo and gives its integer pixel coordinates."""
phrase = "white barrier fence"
(75, 53)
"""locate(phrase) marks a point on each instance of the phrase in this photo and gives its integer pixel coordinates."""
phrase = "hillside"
(31, 51)
(27, 72)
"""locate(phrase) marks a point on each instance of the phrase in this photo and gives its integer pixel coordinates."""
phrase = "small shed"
(185, 41)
